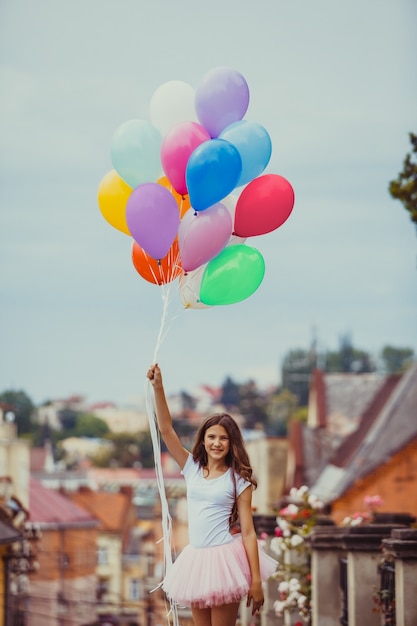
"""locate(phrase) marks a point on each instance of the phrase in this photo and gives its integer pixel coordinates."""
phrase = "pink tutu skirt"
(213, 576)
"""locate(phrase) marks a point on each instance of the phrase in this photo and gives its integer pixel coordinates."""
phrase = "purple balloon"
(153, 218)
(221, 98)
(202, 235)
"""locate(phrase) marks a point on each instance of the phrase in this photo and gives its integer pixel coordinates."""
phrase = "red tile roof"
(49, 507)
(37, 459)
(111, 509)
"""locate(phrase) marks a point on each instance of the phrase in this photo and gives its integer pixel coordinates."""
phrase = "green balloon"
(232, 275)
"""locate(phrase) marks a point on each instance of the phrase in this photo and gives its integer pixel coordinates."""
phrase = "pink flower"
(373, 501)
(264, 536)
(278, 532)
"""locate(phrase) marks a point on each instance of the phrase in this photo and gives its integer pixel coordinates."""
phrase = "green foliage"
(128, 450)
(349, 359)
(300, 414)
(404, 187)
(252, 405)
(19, 403)
(81, 425)
(296, 371)
(281, 408)
(356, 361)
(187, 401)
(230, 394)
(396, 360)
(291, 544)
(68, 418)
(90, 426)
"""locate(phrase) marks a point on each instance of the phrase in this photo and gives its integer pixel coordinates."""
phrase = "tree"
(90, 426)
(128, 450)
(68, 419)
(396, 360)
(296, 370)
(19, 403)
(404, 187)
(230, 394)
(252, 405)
(188, 402)
(280, 409)
(349, 359)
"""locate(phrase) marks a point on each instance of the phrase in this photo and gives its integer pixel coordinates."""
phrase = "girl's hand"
(255, 597)
(154, 375)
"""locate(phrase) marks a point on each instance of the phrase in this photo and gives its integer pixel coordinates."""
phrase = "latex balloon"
(189, 289)
(177, 146)
(230, 203)
(183, 202)
(254, 146)
(203, 235)
(232, 276)
(113, 194)
(212, 172)
(221, 98)
(264, 205)
(153, 218)
(135, 152)
(172, 103)
(157, 272)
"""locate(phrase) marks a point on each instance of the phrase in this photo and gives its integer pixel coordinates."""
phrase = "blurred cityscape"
(81, 537)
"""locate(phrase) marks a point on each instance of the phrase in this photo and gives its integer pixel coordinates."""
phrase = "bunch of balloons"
(171, 190)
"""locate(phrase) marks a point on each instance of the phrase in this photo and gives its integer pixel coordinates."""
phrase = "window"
(134, 589)
(102, 555)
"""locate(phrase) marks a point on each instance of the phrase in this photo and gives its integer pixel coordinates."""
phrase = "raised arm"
(163, 416)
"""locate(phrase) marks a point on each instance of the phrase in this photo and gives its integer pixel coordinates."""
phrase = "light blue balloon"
(254, 146)
(135, 152)
(212, 172)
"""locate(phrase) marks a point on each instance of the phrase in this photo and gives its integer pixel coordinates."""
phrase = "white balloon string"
(166, 520)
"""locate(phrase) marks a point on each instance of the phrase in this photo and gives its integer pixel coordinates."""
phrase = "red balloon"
(263, 206)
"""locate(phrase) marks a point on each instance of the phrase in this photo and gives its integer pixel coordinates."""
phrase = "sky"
(334, 85)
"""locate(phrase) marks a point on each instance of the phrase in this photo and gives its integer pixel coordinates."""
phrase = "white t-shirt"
(210, 503)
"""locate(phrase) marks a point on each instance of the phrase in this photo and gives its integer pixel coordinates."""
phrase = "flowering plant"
(294, 525)
(364, 517)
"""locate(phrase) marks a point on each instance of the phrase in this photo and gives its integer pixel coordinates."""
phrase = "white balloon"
(171, 104)
(189, 289)
(230, 202)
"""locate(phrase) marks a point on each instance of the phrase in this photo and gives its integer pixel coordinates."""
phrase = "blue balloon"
(212, 172)
(254, 146)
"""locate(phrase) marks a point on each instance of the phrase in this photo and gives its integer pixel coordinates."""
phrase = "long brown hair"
(237, 458)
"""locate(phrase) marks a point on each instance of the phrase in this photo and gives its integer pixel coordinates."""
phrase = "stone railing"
(348, 565)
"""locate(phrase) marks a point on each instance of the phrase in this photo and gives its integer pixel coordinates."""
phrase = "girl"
(217, 569)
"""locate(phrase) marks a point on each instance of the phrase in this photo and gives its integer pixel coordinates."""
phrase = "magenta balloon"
(221, 98)
(177, 146)
(202, 235)
(153, 218)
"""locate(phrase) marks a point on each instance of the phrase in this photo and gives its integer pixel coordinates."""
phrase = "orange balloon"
(183, 202)
(157, 272)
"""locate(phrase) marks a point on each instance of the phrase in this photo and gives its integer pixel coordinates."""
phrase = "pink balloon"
(264, 205)
(177, 146)
(153, 218)
(202, 235)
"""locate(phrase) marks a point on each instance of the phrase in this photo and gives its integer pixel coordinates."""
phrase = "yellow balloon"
(113, 194)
